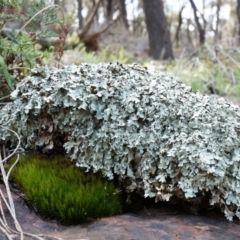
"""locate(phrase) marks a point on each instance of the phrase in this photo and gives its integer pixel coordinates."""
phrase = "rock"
(154, 222)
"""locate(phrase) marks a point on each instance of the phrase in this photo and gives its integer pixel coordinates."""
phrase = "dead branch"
(89, 22)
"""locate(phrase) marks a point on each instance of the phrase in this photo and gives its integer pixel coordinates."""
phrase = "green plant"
(148, 128)
(103, 55)
(59, 190)
(17, 47)
(216, 66)
(198, 85)
(119, 55)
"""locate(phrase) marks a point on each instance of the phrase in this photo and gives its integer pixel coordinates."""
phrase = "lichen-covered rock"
(148, 128)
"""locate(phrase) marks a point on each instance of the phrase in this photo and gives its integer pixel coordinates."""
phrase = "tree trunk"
(80, 18)
(201, 30)
(159, 37)
(217, 36)
(109, 10)
(238, 16)
(179, 26)
(189, 33)
(90, 40)
(124, 13)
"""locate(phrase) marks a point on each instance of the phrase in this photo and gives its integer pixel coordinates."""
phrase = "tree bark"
(201, 30)
(189, 33)
(90, 40)
(80, 18)
(124, 13)
(109, 10)
(238, 16)
(159, 37)
(217, 35)
(90, 20)
(179, 25)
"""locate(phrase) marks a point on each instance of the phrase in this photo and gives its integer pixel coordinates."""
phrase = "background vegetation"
(203, 38)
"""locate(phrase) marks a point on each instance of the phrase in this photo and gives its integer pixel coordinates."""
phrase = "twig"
(4, 227)
(4, 97)
(216, 58)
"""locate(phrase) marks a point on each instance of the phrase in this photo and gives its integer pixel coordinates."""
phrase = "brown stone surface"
(153, 222)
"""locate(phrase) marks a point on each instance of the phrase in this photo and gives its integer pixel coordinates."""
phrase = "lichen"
(146, 127)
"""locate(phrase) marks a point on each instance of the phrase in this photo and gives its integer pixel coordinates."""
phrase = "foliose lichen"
(146, 127)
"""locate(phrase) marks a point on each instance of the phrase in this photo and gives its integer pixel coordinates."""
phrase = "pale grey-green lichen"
(148, 128)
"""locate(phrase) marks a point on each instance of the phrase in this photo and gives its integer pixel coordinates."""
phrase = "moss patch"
(59, 190)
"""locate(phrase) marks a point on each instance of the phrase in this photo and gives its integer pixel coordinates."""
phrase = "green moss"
(61, 191)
